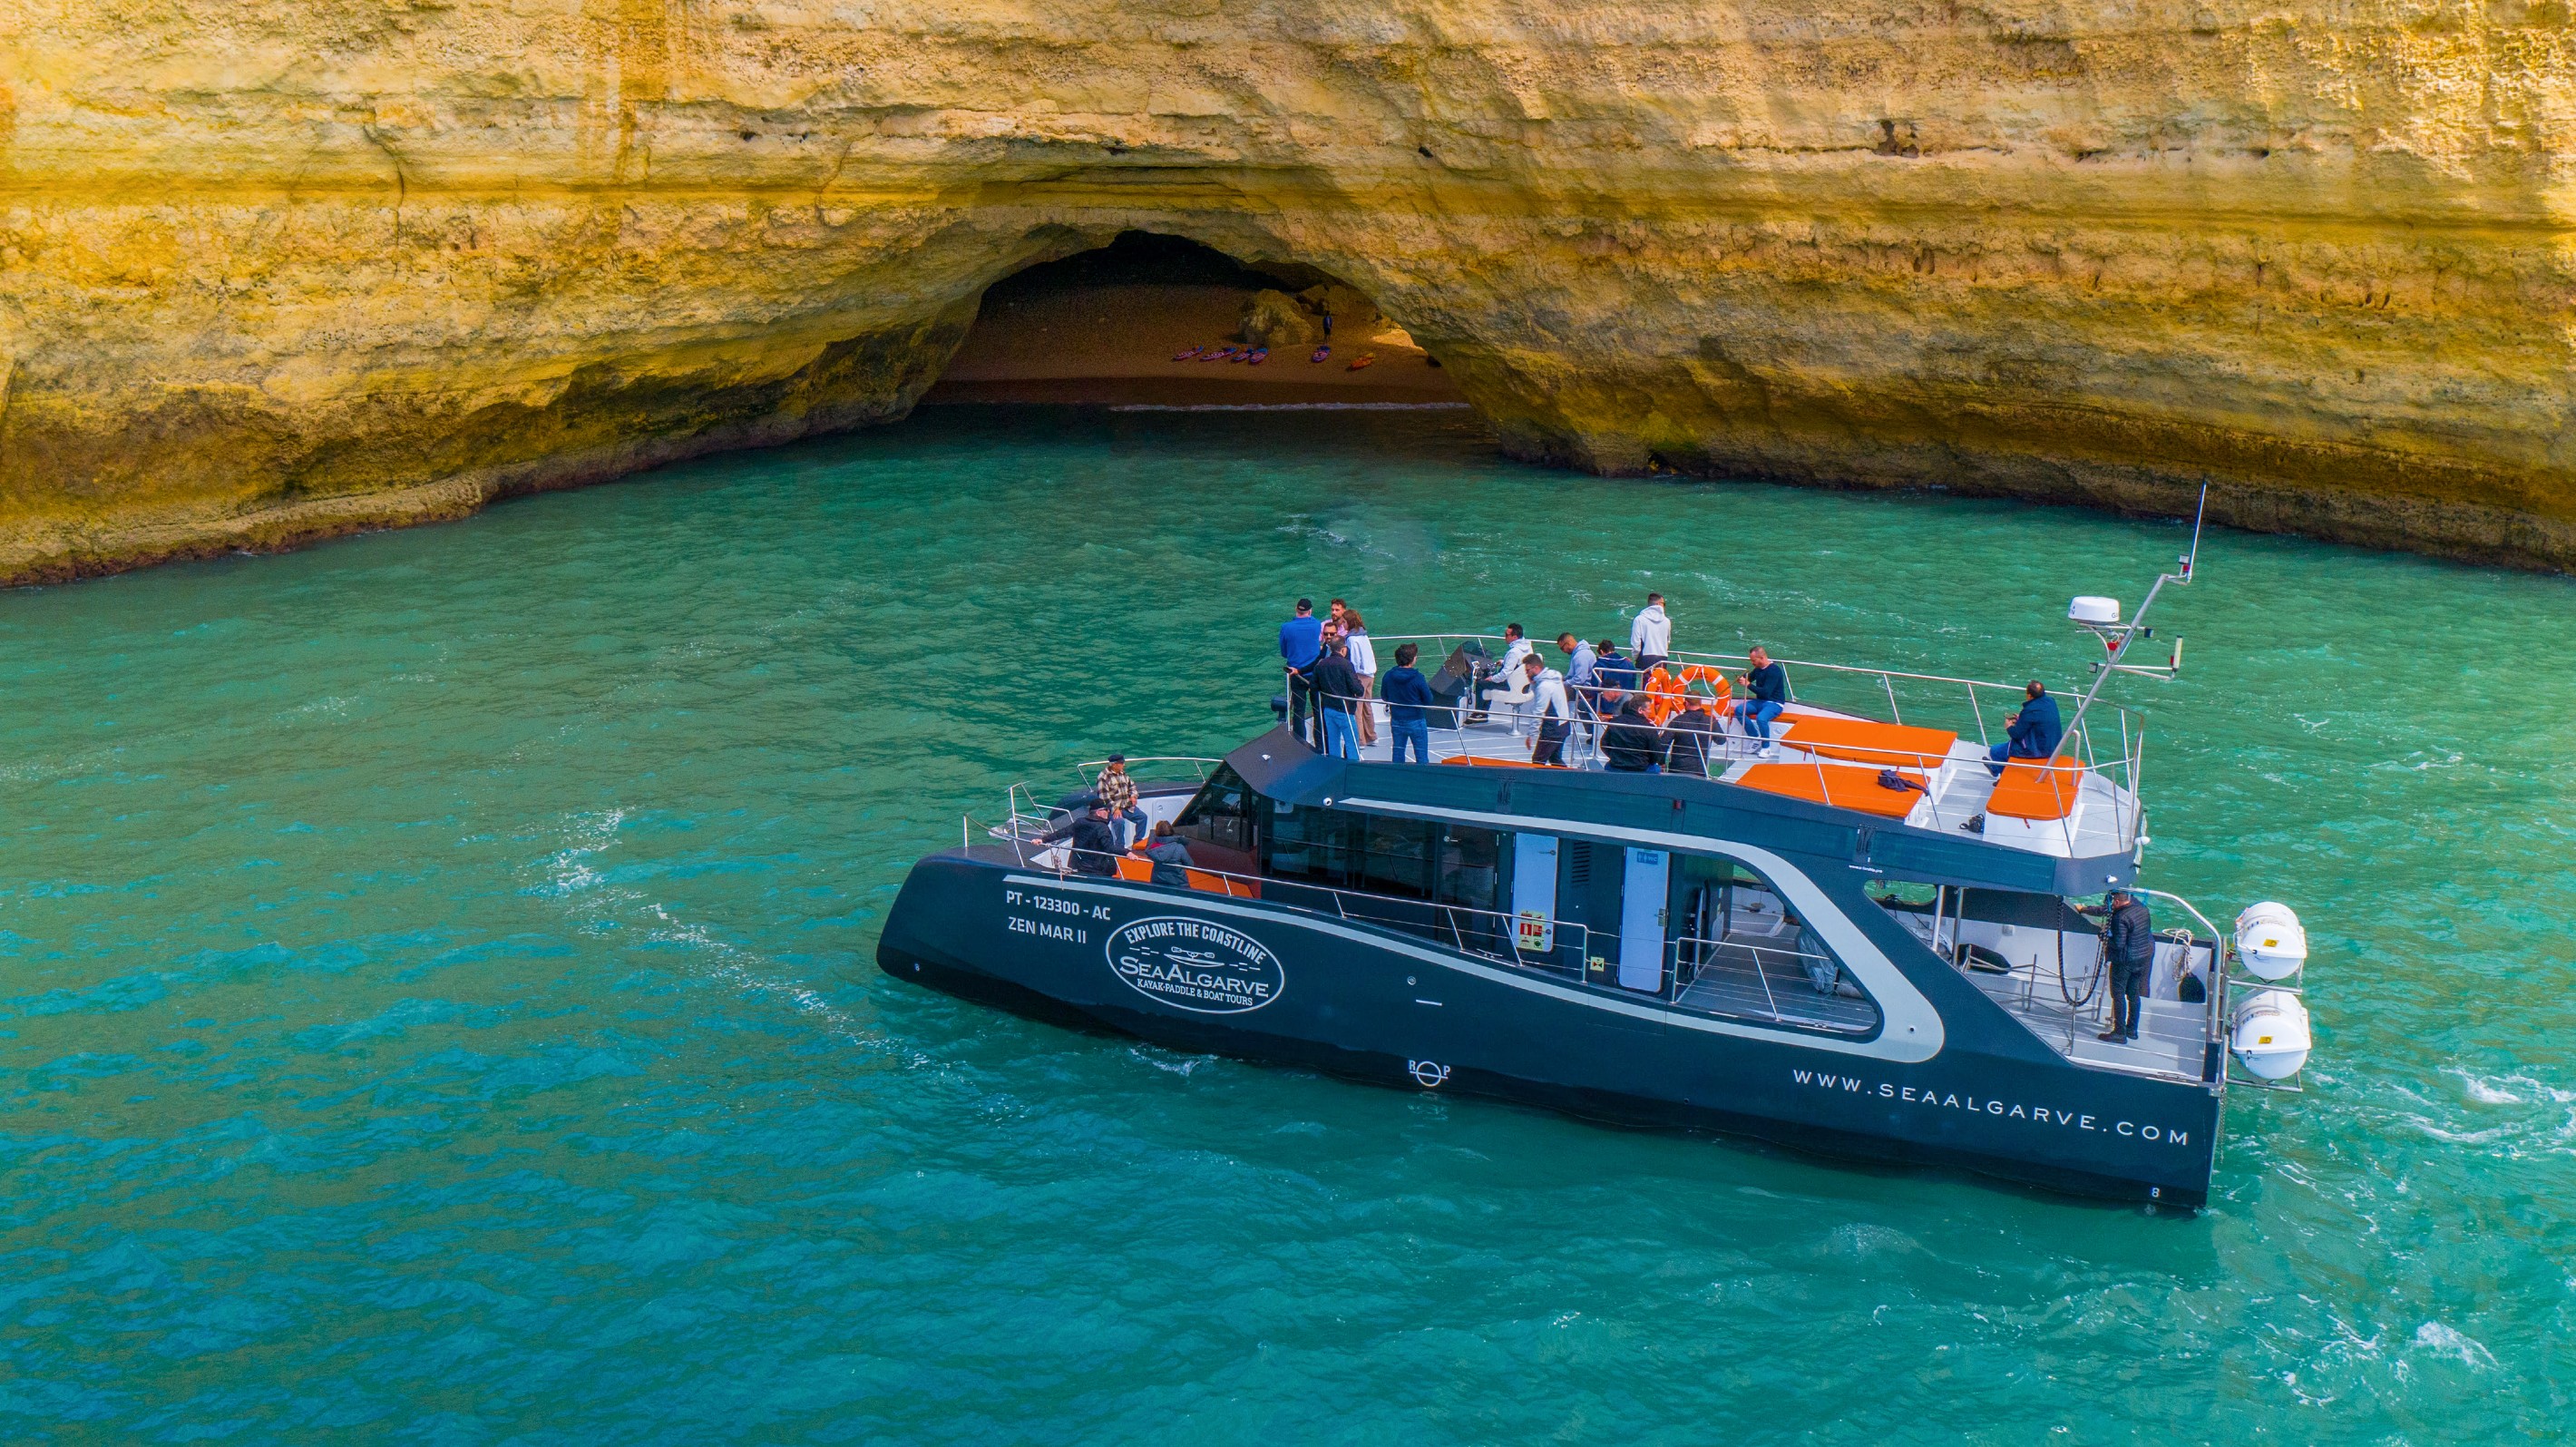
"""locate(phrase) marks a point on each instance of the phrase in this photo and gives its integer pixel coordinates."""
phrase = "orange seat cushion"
(1472, 761)
(1867, 741)
(2030, 789)
(1844, 786)
(1139, 870)
(1200, 879)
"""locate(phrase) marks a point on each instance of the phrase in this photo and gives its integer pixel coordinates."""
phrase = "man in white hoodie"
(1554, 714)
(1650, 638)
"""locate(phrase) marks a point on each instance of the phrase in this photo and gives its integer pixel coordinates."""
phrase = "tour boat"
(1786, 946)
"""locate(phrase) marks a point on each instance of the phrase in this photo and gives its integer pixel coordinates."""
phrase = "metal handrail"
(1510, 923)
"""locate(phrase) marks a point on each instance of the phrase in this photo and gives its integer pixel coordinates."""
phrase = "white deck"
(2099, 824)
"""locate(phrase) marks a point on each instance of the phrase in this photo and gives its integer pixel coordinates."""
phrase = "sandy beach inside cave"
(1113, 345)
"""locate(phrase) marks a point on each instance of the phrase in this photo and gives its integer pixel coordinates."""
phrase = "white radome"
(2092, 608)
(2271, 1035)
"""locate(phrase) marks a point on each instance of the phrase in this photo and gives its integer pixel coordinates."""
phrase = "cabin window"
(1221, 813)
(1738, 947)
(1993, 931)
(1422, 876)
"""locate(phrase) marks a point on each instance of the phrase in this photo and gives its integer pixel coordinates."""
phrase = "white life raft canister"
(2271, 941)
(2271, 1034)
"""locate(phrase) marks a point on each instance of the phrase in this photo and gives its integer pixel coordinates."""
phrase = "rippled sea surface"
(440, 1001)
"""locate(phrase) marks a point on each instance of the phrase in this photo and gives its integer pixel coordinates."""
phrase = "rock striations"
(272, 269)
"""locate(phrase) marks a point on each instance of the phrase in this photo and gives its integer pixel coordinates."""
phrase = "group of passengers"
(1107, 823)
(1641, 726)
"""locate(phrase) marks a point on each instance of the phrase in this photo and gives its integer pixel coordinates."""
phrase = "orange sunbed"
(1867, 741)
(2030, 789)
(1474, 762)
(1844, 786)
(1132, 868)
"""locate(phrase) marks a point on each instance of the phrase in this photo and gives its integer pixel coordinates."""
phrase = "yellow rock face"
(270, 270)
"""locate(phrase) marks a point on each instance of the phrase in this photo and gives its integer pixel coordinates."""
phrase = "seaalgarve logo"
(1193, 964)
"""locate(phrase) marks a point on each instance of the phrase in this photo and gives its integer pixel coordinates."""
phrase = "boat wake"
(571, 875)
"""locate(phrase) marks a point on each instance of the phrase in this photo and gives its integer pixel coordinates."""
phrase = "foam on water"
(439, 1002)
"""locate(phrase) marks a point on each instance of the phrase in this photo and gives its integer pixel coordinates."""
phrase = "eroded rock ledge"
(274, 271)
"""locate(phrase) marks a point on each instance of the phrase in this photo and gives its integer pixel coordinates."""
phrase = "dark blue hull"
(1265, 981)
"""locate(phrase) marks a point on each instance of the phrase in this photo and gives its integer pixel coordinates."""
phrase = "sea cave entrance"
(1159, 320)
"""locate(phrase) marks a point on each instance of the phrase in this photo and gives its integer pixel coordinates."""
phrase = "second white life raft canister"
(2271, 1034)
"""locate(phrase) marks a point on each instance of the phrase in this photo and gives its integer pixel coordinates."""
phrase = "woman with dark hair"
(1363, 663)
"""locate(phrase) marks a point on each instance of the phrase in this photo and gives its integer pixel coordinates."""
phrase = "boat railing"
(2108, 743)
(1487, 933)
(1712, 960)
(1153, 769)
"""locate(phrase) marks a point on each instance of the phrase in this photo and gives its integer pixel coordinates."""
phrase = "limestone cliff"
(270, 270)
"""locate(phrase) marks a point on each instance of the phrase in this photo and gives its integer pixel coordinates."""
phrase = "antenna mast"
(2120, 635)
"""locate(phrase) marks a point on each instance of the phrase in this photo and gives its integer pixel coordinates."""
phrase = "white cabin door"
(1534, 892)
(1641, 919)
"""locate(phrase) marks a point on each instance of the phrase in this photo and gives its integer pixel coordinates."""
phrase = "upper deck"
(1845, 730)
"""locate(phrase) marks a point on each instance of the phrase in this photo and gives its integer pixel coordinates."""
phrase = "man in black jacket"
(2130, 938)
(1094, 848)
(1694, 736)
(1632, 744)
(1338, 692)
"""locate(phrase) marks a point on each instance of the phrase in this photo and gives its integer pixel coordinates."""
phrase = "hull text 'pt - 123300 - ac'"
(1860, 939)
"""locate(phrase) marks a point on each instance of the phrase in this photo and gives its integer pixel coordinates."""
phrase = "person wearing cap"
(1092, 846)
(1118, 792)
(1301, 643)
(2129, 938)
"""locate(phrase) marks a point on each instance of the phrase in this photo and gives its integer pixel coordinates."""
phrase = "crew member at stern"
(2131, 941)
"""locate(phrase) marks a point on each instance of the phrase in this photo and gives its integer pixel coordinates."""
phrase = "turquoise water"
(440, 1004)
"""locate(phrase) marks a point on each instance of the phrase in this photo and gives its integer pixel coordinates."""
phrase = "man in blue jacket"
(2032, 733)
(1766, 696)
(1301, 642)
(1407, 693)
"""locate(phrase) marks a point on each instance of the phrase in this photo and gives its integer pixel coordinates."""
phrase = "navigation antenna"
(2101, 617)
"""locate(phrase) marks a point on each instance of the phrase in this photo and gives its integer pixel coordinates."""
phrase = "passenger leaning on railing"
(1091, 845)
(1632, 744)
(1693, 736)
(1171, 856)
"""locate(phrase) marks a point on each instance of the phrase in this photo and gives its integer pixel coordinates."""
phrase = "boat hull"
(1274, 983)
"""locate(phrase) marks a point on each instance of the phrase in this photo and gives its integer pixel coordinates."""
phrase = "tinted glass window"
(1222, 813)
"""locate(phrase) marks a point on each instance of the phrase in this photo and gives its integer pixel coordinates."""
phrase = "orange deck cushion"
(1131, 867)
(1475, 762)
(1867, 741)
(1844, 786)
(2030, 789)
(1200, 879)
